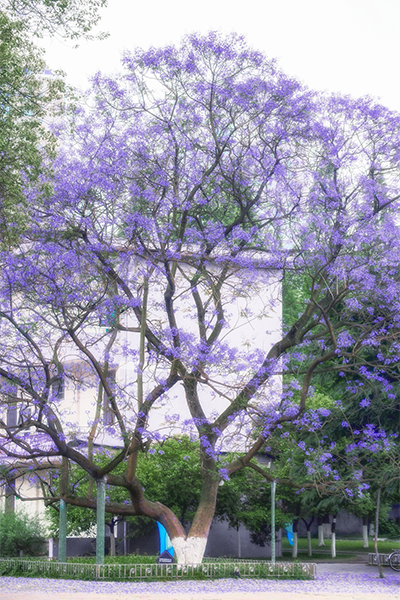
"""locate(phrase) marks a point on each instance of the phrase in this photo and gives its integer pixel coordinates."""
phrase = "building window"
(59, 390)
(12, 415)
(10, 496)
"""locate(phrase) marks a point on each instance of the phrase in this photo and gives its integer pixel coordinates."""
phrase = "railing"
(383, 559)
(138, 572)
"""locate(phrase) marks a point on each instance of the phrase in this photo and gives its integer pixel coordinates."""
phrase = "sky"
(345, 46)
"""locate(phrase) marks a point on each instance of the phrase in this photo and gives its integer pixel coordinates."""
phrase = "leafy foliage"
(28, 98)
(19, 531)
(169, 473)
(67, 18)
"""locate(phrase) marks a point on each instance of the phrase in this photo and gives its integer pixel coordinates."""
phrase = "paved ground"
(333, 582)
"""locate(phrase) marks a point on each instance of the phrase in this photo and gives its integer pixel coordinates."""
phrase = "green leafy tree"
(245, 499)
(28, 98)
(67, 18)
(20, 532)
(164, 472)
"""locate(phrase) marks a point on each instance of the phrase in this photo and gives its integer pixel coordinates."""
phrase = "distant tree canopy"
(65, 18)
(29, 99)
(30, 95)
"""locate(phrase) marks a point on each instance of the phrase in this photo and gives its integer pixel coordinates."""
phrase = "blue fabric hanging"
(165, 542)
(289, 532)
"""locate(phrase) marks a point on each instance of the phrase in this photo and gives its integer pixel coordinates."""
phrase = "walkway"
(334, 581)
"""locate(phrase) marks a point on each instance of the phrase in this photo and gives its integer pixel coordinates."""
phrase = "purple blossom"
(364, 402)
(148, 279)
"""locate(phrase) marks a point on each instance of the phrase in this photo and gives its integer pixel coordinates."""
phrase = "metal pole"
(62, 538)
(273, 489)
(125, 534)
(100, 509)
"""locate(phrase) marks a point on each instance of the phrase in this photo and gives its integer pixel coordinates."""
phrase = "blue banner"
(165, 542)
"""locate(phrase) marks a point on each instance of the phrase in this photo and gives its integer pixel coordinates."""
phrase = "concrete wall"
(225, 541)
(346, 524)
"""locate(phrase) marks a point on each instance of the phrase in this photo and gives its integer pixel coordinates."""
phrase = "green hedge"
(155, 572)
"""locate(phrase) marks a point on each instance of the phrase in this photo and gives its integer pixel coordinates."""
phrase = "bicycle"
(394, 559)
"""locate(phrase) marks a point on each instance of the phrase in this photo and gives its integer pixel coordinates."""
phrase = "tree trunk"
(51, 548)
(378, 562)
(320, 532)
(125, 538)
(365, 532)
(309, 547)
(333, 539)
(190, 549)
(112, 542)
(308, 526)
(327, 526)
(295, 538)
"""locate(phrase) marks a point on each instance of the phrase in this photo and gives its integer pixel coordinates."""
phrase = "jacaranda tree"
(185, 189)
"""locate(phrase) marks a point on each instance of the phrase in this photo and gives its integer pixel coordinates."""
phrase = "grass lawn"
(347, 549)
(344, 545)
(303, 557)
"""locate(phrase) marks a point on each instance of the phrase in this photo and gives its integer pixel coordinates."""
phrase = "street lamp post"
(101, 493)
(62, 537)
(268, 464)
(273, 490)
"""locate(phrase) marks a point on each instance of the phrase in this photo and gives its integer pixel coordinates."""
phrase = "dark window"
(12, 415)
(10, 496)
(59, 390)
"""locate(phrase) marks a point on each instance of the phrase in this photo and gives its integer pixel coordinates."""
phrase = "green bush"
(19, 531)
(389, 528)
